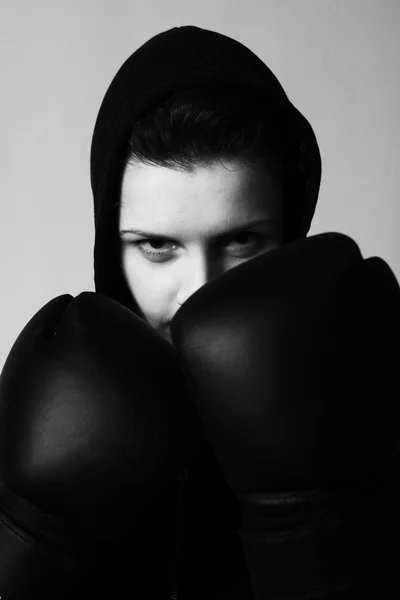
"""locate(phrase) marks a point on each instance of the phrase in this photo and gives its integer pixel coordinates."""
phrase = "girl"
(199, 162)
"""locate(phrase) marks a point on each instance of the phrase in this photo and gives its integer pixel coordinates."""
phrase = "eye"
(242, 244)
(154, 252)
(246, 240)
(242, 237)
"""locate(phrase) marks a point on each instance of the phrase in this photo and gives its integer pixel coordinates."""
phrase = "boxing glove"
(292, 359)
(96, 435)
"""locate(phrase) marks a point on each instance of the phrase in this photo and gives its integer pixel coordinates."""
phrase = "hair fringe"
(200, 126)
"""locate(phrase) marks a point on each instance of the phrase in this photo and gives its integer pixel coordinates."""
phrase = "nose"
(198, 273)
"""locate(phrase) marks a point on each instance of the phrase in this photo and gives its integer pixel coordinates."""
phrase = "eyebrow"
(224, 234)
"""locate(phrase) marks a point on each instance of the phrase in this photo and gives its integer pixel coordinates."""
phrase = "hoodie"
(181, 57)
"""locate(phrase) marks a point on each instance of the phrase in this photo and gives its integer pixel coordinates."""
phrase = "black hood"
(176, 59)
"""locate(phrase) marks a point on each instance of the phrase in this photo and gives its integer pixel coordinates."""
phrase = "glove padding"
(95, 431)
(292, 360)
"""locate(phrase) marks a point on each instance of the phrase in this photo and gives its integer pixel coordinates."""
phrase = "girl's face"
(180, 230)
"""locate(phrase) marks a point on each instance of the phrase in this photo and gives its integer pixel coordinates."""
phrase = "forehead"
(208, 193)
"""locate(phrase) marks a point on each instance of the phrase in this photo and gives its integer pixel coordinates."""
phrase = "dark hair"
(202, 125)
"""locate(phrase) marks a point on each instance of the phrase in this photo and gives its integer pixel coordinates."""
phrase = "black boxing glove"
(292, 358)
(95, 437)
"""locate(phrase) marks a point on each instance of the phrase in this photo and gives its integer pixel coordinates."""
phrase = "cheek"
(150, 286)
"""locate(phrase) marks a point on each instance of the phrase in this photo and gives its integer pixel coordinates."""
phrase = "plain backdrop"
(338, 61)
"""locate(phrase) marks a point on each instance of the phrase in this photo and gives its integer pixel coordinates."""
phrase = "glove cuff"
(321, 543)
(30, 522)
(36, 557)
